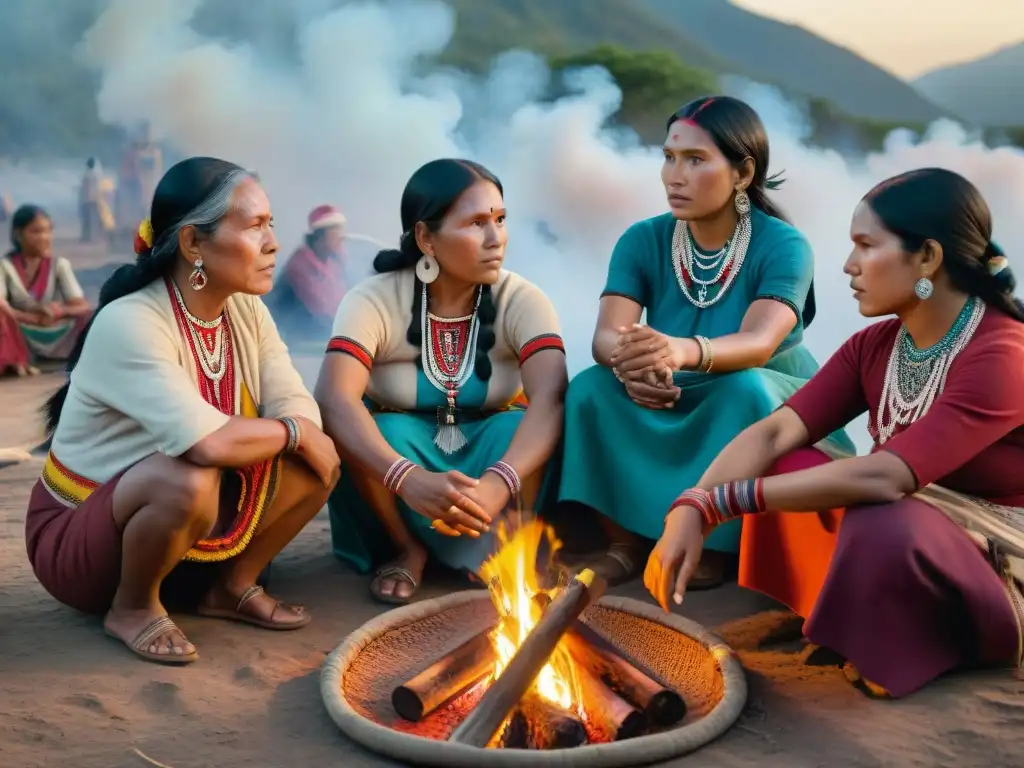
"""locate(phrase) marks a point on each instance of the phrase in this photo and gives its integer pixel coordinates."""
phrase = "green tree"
(654, 84)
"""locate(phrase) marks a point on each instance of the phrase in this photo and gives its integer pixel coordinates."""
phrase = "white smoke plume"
(358, 115)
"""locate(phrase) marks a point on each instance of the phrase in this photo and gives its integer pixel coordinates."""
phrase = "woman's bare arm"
(615, 312)
(544, 382)
(241, 442)
(765, 326)
(339, 393)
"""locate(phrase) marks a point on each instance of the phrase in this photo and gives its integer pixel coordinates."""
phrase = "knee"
(312, 488)
(877, 539)
(193, 492)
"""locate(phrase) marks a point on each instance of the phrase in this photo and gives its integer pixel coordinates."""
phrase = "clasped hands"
(644, 361)
(456, 503)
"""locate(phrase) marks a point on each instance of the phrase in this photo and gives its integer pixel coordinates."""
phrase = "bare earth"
(70, 696)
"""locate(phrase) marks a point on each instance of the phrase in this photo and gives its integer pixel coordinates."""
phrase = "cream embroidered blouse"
(135, 391)
(374, 316)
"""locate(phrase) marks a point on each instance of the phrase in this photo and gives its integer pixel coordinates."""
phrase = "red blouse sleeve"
(834, 396)
(982, 402)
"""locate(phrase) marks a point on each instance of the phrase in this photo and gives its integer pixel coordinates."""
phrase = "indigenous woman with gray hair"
(911, 561)
(442, 385)
(186, 451)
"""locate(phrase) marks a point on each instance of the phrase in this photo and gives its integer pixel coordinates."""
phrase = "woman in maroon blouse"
(914, 566)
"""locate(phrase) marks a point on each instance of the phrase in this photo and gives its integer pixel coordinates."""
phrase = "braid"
(485, 337)
(415, 333)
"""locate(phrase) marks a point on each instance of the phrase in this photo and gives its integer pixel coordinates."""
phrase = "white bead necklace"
(730, 258)
(212, 361)
(900, 408)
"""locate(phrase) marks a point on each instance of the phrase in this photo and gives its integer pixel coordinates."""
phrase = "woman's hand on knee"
(319, 453)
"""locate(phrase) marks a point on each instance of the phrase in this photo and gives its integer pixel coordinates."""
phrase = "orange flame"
(511, 576)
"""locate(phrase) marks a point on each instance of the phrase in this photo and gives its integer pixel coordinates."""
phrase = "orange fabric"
(786, 555)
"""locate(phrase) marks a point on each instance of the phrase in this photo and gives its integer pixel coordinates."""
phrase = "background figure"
(94, 203)
(141, 168)
(44, 295)
(307, 295)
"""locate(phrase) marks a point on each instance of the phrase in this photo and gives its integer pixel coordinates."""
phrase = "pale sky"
(907, 37)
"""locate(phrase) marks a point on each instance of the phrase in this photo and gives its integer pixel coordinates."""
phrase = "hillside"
(800, 60)
(989, 91)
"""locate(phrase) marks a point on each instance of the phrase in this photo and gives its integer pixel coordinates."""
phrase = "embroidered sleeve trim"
(781, 300)
(351, 347)
(623, 295)
(539, 344)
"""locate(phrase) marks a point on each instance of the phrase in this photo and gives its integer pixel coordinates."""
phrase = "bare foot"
(413, 560)
(128, 626)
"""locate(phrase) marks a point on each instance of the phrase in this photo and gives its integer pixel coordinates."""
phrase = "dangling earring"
(427, 269)
(198, 278)
(924, 288)
(742, 202)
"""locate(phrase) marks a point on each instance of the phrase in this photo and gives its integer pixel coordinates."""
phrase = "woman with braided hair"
(186, 451)
(425, 386)
(922, 571)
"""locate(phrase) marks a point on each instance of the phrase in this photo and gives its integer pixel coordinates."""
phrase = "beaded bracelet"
(507, 473)
(724, 502)
(294, 434)
(397, 473)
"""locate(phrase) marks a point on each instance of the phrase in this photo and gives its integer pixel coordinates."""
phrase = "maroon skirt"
(75, 552)
(898, 589)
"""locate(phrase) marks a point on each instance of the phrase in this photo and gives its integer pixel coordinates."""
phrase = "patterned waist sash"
(259, 484)
(999, 532)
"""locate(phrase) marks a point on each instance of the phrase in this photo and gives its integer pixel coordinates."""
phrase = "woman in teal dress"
(442, 387)
(727, 285)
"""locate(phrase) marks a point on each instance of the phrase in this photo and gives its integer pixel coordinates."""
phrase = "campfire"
(539, 677)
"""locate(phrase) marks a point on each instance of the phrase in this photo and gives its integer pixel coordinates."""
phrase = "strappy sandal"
(156, 628)
(616, 566)
(399, 575)
(246, 617)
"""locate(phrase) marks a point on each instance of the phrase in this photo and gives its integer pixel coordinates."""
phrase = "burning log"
(625, 675)
(537, 724)
(505, 693)
(604, 660)
(607, 711)
(551, 727)
(446, 678)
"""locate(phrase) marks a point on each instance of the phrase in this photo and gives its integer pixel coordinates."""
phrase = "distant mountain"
(792, 57)
(988, 91)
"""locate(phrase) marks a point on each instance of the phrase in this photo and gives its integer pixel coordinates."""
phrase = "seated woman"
(307, 295)
(727, 286)
(921, 573)
(423, 386)
(41, 288)
(185, 452)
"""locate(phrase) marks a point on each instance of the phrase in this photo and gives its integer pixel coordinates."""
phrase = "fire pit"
(521, 675)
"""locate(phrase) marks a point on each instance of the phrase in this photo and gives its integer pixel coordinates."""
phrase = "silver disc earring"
(742, 202)
(924, 288)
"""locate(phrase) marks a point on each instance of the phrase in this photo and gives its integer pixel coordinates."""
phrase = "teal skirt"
(357, 535)
(629, 463)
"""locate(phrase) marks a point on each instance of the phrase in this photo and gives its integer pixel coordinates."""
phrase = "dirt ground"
(71, 696)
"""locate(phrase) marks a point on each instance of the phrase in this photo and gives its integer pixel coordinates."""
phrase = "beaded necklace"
(915, 377)
(725, 264)
(449, 355)
(211, 346)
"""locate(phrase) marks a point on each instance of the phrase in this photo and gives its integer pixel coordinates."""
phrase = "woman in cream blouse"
(426, 382)
(185, 450)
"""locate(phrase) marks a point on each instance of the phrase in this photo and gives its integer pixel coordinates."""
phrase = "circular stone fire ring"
(360, 674)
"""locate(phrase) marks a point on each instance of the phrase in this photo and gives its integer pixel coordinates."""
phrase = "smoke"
(357, 114)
